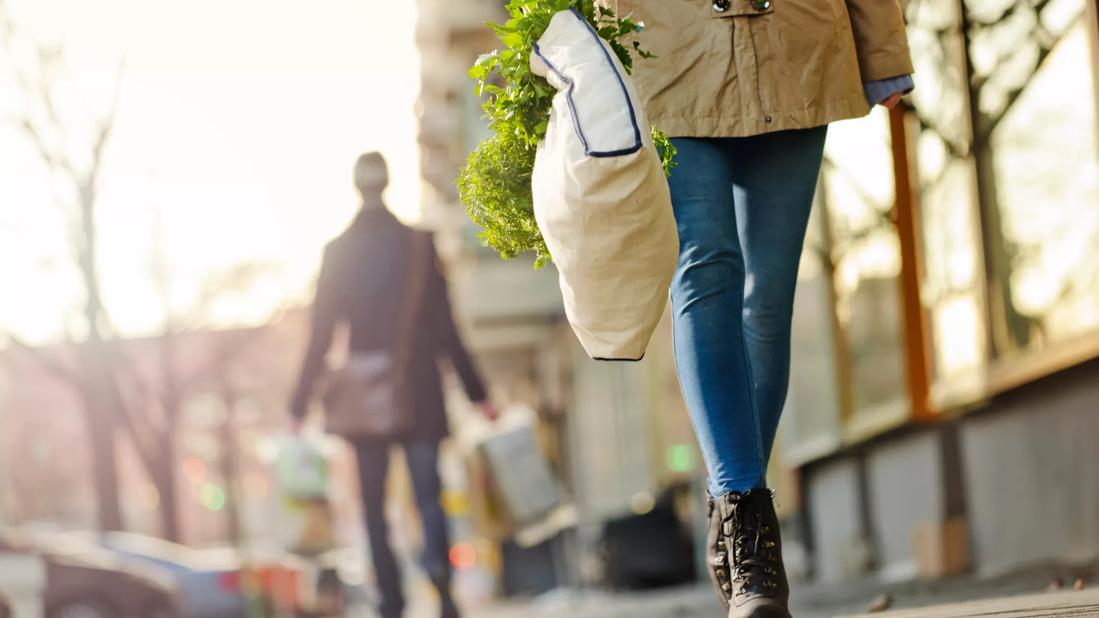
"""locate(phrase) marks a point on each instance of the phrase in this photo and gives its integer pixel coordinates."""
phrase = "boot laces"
(754, 551)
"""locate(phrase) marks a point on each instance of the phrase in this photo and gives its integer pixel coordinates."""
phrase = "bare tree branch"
(106, 126)
(1008, 12)
(97, 377)
(37, 93)
(1039, 35)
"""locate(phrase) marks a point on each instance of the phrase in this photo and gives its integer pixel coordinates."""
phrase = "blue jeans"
(741, 206)
(422, 457)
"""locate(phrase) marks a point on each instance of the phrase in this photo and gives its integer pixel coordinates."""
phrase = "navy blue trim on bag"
(568, 97)
(572, 106)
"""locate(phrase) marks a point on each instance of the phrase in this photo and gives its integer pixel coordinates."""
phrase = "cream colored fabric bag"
(600, 195)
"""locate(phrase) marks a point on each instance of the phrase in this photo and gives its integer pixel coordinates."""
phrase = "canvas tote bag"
(601, 198)
(368, 398)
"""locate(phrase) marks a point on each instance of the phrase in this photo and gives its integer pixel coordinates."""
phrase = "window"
(811, 421)
(848, 373)
(952, 288)
(1047, 190)
(1003, 143)
(1008, 184)
(856, 201)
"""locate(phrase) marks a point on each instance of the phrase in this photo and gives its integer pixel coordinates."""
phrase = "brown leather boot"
(745, 554)
(717, 555)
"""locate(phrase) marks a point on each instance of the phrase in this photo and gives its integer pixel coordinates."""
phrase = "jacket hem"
(731, 126)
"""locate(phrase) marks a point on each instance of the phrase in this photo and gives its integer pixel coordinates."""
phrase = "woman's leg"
(373, 459)
(741, 206)
(707, 302)
(774, 180)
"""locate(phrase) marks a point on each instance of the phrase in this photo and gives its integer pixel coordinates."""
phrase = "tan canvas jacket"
(734, 68)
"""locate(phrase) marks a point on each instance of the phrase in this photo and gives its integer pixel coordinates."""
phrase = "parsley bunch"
(495, 185)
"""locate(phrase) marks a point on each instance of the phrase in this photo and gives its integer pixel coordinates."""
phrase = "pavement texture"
(1040, 591)
(695, 604)
(1083, 603)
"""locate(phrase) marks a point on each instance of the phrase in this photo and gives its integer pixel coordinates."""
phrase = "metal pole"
(907, 211)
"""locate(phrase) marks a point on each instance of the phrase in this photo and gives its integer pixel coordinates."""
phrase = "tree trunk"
(231, 466)
(104, 470)
(167, 485)
(100, 415)
(102, 404)
(1010, 330)
(165, 460)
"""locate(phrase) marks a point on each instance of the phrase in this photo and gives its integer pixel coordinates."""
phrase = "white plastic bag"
(520, 472)
(301, 471)
(601, 198)
(301, 468)
(515, 492)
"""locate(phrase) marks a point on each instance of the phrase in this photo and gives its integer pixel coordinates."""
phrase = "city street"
(1018, 594)
(548, 308)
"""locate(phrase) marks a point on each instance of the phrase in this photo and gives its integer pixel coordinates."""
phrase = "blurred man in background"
(363, 281)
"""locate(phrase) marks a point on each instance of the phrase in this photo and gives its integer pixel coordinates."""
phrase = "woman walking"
(746, 89)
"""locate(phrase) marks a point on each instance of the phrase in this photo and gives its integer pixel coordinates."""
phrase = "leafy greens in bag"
(495, 184)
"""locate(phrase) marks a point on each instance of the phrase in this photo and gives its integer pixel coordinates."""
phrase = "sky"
(237, 128)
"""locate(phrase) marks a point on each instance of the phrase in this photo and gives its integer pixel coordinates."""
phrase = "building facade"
(964, 328)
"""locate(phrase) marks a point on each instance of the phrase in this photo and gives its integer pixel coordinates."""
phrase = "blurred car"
(86, 582)
(214, 583)
(86, 586)
(22, 581)
(208, 582)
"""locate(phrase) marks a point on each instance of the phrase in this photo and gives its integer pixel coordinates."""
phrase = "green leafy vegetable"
(666, 149)
(494, 185)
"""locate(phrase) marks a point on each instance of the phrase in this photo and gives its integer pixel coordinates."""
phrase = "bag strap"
(411, 304)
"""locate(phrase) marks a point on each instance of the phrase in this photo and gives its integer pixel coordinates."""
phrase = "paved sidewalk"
(1013, 595)
(695, 603)
(676, 603)
(1084, 603)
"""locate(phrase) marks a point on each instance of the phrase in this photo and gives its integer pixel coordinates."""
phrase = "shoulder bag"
(369, 397)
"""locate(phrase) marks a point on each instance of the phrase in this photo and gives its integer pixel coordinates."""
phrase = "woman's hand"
(892, 101)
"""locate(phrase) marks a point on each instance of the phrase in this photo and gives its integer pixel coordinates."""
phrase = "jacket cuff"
(885, 63)
(881, 89)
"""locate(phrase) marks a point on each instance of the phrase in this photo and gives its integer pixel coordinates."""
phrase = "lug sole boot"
(745, 555)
